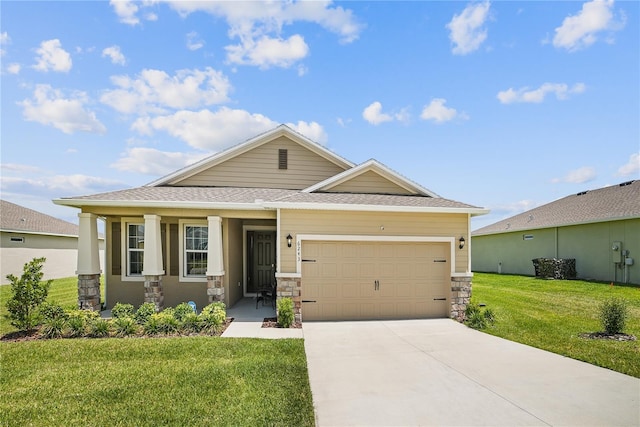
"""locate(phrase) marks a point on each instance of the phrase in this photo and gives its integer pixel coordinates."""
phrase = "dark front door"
(261, 260)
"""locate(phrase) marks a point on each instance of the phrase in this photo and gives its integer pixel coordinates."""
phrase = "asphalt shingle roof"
(266, 195)
(18, 218)
(616, 202)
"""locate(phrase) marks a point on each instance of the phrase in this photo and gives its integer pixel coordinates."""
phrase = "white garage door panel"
(339, 280)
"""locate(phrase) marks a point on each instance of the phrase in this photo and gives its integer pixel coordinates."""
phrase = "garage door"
(375, 280)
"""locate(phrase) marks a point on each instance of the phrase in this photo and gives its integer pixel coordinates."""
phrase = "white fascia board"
(78, 203)
(373, 208)
(39, 233)
(375, 166)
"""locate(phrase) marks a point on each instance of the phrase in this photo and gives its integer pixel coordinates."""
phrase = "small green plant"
(613, 315)
(124, 326)
(120, 310)
(99, 328)
(28, 293)
(191, 323)
(51, 311)
(53, 327)
(478, 318)
(285, 312)
(181, 311)
(144, 312)
(212, 317)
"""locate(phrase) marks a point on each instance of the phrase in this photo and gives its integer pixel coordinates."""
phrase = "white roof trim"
(257, 205)
(282, 130)
(373, 208)
(374, 166)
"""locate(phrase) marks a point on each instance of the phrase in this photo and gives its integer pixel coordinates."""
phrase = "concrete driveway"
(439, 372)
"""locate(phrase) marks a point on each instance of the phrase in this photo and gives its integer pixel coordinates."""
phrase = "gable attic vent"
(282, 158)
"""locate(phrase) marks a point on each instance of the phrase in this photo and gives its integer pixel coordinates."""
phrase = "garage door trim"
(369, 238)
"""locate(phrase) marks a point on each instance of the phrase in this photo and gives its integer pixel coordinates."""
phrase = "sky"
(505, 105)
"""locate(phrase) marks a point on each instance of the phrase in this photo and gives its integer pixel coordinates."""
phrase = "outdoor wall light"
(289, 240)
(461, 240)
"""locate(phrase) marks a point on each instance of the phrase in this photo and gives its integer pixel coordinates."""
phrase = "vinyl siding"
(369, 224)
(369, 182)
(259, 168)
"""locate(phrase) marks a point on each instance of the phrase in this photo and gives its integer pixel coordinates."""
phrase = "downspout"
(278, 240)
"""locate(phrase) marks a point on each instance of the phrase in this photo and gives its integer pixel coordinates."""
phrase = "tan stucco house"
(345, 241)
(26, 234)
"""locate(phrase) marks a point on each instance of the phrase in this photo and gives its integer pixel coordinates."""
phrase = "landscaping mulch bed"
(272, 322)
(23, 336)
(606, 336)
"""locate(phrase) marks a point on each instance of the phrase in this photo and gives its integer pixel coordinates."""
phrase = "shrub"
(122, 310)
(213, 317)
(124, 326)
(477, 318)
(144, 312)
(77, 322)
(285, 312)
(53, 327)
(191, 323)
(28, 293)
(181, 311)
(613, 315)
(98, 328)
(51, 311)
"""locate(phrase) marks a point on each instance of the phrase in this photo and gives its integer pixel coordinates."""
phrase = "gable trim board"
(247, 146)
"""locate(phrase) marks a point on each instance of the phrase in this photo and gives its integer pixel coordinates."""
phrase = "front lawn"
(551, 315)
(195, 381)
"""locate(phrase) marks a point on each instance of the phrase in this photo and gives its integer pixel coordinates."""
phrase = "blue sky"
(504, 105)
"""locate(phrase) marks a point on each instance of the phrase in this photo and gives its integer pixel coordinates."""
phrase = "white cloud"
(467, 31)
(211, 131)
(150, 161)
(51, 56)
(45, 184)
(126, 11)
(50, 107)
(267, 52)
(631, 167)
(155, 91)
(258, 28)
(14, 68)
(115, 54)
(4, 39)
(439, 113)
(524, 94)
(374, 115)
(578, 176)
(580, 31)
(194, 42)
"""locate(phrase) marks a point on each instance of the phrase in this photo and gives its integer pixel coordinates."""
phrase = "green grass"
(551, 315)
(196, 381)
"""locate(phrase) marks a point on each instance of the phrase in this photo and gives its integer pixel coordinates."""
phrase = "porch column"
(88, 263)
(215, 260)
(152, 262)
(460, 296)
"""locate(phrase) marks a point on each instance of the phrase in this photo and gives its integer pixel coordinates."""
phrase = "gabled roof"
(371, 166)
(16, 218)
(613, 203)
(282, 130)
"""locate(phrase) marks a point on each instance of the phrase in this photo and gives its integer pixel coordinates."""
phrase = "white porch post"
(152, 262)
(215, 260)
(88, 262)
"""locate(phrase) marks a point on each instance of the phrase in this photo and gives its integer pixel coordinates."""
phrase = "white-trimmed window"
(194, 250)
(135, 249)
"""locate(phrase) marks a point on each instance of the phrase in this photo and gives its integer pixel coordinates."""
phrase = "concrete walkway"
(441, 373)
(248, 319)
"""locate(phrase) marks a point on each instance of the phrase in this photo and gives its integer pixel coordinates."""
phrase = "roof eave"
(569, 224)
(80, 203)
(374, 208)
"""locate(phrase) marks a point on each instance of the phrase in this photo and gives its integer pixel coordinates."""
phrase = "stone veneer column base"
(460, 296)
(215, 288)
(89, 292)
(153, 291)
(291, 287)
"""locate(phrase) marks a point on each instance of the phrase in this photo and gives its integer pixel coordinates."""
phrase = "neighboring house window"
(135, 249)
(527, 237)
(196, 246)
(17, 239)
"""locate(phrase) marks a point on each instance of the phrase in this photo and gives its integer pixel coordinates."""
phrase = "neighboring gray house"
(26, 234)
(600, 229)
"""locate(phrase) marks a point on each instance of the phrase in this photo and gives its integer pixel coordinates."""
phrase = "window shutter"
(282, 158)
(116, 249)
(174, 249)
